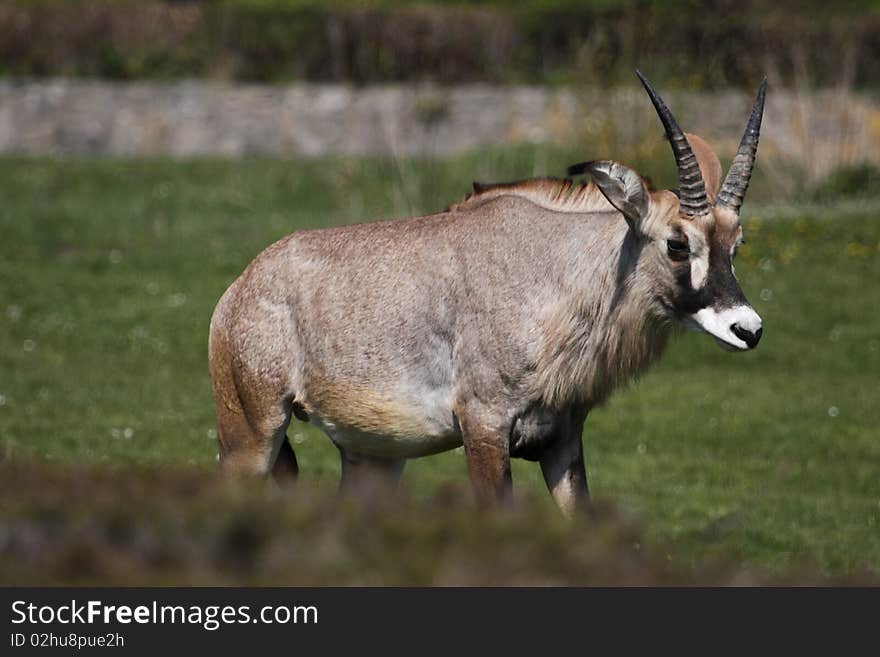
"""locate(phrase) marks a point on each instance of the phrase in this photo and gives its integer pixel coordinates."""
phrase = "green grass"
(109, 271)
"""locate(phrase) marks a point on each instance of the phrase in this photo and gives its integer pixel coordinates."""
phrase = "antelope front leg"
(488, 457)
(562, 465)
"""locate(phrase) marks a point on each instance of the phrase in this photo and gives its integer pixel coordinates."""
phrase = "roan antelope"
(497, 324)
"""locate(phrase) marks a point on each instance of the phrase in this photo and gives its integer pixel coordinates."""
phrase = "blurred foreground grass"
(128, 526)
(109, 271)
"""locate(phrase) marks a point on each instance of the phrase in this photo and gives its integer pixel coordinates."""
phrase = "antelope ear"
(710, 167)
(623, 188)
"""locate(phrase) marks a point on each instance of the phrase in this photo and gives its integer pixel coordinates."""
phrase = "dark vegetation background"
(714, 468)
(447, 41)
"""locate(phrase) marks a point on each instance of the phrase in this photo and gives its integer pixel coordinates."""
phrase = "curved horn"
(691, 188)
(737, 181)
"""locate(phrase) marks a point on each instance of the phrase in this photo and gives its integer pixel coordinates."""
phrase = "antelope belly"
(386, 425)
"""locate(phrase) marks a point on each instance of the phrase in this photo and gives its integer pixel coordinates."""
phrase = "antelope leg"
(488, 457)
(368, 474)
(562, 465)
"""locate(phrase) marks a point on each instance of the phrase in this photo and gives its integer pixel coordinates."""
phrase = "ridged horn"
(691, 188)
(733, 191)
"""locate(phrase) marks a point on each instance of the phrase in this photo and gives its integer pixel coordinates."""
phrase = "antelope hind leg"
(369, 474)
(251, 428)
(286, 469)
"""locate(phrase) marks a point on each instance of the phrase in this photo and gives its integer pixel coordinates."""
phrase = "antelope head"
(688, 241)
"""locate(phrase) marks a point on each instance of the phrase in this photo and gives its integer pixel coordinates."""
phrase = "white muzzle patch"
(719, 324)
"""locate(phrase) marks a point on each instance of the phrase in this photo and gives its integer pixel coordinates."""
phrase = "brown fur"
(358, 407)
(710, 166)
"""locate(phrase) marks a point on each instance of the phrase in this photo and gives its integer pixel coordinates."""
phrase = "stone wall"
(73, 118)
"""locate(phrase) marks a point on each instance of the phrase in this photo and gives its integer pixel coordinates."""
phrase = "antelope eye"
(678, 249)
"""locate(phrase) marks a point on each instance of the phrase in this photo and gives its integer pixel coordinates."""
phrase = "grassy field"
(763, 462)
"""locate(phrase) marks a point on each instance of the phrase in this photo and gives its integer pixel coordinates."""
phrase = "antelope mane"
(556, 194)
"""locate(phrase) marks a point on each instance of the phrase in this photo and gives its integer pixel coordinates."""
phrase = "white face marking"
(733, 249)
(699, 269)
(699, 259)
(717, 324)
